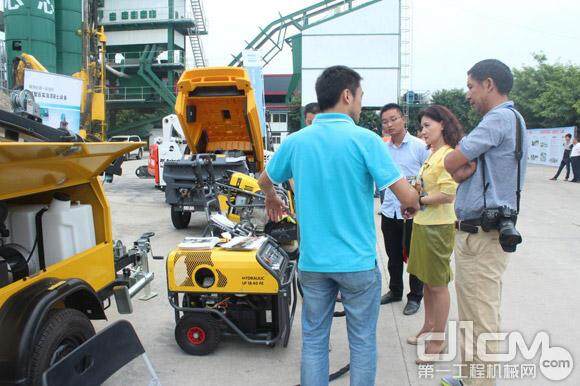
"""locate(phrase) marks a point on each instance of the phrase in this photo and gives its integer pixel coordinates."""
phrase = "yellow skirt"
(430, 255)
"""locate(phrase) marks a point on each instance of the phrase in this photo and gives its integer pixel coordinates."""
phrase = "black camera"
(504, 220)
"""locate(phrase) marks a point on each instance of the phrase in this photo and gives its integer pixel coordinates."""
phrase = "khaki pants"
(479, 265)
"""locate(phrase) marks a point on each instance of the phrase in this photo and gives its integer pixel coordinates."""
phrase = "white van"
(137, 153)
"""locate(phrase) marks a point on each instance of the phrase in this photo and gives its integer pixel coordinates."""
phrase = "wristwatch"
(421, 203)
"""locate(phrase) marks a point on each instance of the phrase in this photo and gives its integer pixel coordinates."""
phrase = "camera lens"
(509, 237)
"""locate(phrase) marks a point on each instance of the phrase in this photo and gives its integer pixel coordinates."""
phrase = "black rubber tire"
(140, 154)
(142, 172)
(63, 331)
(208, 336)
(179, 218)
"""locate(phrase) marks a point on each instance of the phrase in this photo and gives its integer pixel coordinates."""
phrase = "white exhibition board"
(367, 40)
(373, 95)
(372, 51)
(59, 98)
(546, 146)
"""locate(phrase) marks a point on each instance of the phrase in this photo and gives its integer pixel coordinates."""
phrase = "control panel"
(271, 257)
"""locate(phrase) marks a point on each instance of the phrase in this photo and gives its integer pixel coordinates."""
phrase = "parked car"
(137, 153)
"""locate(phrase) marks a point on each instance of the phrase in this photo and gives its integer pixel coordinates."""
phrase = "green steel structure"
(146, 45)
(69, 49)
(30, 28)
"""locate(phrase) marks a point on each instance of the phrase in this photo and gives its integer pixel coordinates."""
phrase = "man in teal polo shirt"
(335, 165)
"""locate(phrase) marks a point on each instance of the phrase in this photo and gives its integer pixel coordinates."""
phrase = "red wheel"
(197, 334)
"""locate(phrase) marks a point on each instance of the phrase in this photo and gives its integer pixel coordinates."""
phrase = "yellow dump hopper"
(32, 172)
(34, 167)
(217, 110)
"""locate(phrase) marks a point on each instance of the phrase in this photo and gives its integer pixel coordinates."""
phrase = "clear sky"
(448, 35)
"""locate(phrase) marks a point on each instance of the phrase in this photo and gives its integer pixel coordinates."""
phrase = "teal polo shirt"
(335, 165)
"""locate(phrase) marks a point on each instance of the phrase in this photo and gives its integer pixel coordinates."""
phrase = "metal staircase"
(270, 41)
(195, 32)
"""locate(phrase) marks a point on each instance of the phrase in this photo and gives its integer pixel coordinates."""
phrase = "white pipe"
(116, 73)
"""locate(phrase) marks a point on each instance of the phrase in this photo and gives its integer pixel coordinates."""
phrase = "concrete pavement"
(540, 294)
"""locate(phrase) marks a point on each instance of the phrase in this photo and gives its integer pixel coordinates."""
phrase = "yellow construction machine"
(59, 263)
(246, 286)
(92, 74)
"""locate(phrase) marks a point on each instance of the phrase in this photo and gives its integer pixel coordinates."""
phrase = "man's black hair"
(492, 68)
(311, 108)
(568, 135)
(391, 106)
(332, 82)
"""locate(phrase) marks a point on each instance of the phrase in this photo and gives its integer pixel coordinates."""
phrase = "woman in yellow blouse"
(433, 234)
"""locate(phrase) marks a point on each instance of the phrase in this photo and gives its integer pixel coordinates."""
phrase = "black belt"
(469, 226)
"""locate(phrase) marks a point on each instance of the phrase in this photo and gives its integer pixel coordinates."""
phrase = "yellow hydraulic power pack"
(219, 291)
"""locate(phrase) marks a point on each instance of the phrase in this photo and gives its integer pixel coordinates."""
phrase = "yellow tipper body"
(217, 110)
(31, 172)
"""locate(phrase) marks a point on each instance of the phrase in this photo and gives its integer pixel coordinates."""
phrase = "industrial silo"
(68, 20)
(30, 29)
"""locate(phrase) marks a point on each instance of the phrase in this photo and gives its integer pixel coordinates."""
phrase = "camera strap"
(485, 184)
(518, 155)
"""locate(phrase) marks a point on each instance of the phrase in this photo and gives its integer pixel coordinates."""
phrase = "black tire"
(142, 172)
(197, 334)
(140, 154)
(179, 218)
(62, 332)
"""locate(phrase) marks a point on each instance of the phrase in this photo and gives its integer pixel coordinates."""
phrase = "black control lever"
(147, 235)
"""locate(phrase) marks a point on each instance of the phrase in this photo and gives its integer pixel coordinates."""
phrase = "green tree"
(295, 113)
(454, 100)
(548, 95)
(412, 118)
(370, 119)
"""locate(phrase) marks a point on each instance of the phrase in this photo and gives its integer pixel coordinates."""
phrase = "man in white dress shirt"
(409, 153)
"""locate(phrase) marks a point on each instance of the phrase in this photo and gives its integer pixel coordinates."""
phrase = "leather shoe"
(389, 297)
(411, 308)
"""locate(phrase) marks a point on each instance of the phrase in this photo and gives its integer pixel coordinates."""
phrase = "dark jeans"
(576, 168)
(567, 163)
(393, 236)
